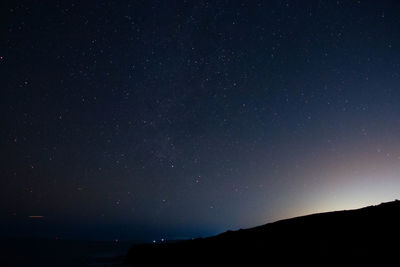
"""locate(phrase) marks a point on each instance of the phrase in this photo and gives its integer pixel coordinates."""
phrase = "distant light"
(154, 241)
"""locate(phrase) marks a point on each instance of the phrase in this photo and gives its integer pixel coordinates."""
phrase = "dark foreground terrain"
(363, 237)
(64, 253)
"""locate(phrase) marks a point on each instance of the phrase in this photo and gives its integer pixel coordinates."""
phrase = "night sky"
(144, 120)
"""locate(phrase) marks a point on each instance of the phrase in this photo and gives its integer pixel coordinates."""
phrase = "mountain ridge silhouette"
(359, 237)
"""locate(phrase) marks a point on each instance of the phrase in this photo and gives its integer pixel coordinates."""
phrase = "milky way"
(146, 120)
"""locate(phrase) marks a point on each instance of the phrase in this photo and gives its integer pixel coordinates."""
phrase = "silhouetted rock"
(362, 237)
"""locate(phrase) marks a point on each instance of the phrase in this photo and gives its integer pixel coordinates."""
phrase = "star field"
(145, 120)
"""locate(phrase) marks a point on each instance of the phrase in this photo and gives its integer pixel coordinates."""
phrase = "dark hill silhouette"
(364, 237)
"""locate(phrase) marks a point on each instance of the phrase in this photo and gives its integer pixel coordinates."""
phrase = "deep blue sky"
(150, 119)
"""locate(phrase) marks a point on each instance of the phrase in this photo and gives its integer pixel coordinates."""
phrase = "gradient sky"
(148, 119)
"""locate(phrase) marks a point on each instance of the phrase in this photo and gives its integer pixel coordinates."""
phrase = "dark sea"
(36, 252)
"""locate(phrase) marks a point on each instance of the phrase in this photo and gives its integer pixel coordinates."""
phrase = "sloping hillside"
(362, 237)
